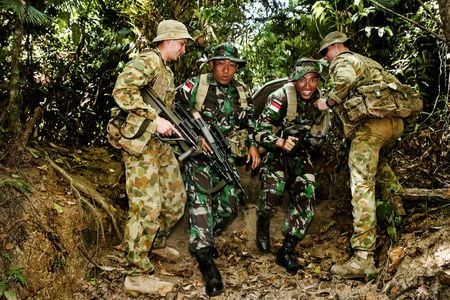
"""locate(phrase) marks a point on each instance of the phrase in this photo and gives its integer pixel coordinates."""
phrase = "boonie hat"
(171, 30)
(304, 66)
(227, 51)
(332, 38)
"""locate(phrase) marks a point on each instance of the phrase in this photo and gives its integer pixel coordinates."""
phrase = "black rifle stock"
(188, 139)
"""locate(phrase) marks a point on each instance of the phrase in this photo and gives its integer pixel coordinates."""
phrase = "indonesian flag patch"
(275, 105)
(188, 86)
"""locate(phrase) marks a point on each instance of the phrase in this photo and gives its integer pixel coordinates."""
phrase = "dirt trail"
(58, 241)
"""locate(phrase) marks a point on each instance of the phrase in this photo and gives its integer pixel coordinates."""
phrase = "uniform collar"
(212, 81)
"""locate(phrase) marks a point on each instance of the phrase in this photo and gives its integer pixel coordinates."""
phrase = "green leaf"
(3, 287)
(58, 208)
(392, 232)
(17, 274)
(19, 184)
(10, 295)
(76, 34)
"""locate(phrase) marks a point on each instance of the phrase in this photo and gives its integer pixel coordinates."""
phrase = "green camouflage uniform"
(370, 141)
(211, 213)
(280, 169)
(154, 185)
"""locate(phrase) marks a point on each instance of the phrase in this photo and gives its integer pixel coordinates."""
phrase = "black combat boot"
(286, 257)
(263, 233)
(210, 272)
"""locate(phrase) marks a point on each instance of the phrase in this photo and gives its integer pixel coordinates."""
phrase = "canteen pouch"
(355, 109)
(136, 132)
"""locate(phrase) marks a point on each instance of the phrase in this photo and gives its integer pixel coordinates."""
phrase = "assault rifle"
(187, 126)
(220, 150)
(188, 139)
(305, 138)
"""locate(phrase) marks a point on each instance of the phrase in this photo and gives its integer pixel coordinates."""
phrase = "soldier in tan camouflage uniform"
(371, 138)
(154, 184)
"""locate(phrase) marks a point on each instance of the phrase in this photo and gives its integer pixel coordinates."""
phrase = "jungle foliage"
(64, 56)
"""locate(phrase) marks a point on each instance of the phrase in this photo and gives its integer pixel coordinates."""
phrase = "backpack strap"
(291, 94)
(242, 97)
(201, 92)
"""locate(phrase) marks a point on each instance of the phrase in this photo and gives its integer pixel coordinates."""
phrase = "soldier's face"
(331, 52)
(307, 85)
(178, 48)
(223, 70)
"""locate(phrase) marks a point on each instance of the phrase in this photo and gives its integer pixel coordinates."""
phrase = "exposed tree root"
(414, 193)
(90, 192)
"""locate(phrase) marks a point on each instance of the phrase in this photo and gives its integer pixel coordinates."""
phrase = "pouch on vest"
(355, 108)
(409, 104)
(379, 100)
(113, 127)
(136, 132)
(348, 127)
(238, 142)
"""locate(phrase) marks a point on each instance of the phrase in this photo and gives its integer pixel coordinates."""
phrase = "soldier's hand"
(254, 157)
(205, 146)
(321, 104)
(290, 143)
(164, 127)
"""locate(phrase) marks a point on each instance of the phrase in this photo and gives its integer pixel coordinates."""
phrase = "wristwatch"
(330, 102)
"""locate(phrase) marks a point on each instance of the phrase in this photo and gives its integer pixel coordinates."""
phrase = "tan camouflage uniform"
(369, 142)
(154, 184)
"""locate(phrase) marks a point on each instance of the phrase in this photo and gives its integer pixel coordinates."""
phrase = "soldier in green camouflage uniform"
(371, 139)
(287, 162)
(212, 210)
(154, 185)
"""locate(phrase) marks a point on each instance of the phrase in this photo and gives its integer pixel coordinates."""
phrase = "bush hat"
(332, 38)
(304, 66)
(229, 52)
(171, 30)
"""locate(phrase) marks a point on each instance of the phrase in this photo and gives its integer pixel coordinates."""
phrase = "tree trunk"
(444, 10)
(15, 154)
(12, 113)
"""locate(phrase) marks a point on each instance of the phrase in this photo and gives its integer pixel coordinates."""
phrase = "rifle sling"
(140, 131)
(212, 190)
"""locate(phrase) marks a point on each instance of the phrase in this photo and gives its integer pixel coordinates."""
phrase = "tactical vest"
(238, 138)
(131, 132)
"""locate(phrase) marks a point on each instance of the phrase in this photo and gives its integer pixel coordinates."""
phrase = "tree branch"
(430, 13)
(408, 20)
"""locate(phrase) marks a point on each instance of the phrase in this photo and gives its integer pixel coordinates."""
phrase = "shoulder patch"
(275, 105)
(188, 86)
